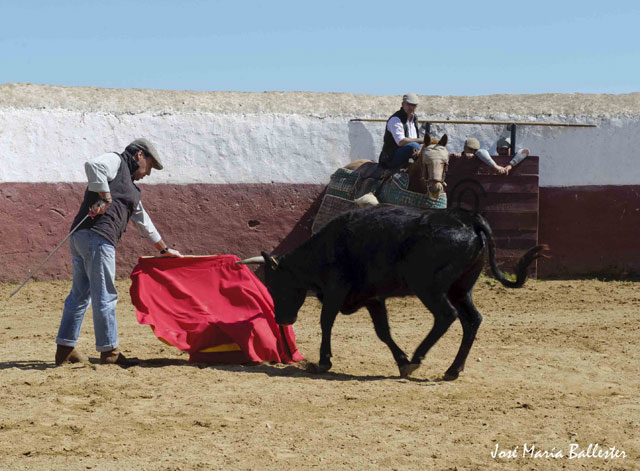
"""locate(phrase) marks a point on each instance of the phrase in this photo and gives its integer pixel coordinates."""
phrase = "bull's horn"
(247, 261)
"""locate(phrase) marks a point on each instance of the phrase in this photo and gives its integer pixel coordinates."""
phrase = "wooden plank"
(496, 184)
(508, 265)
(512, 254)
(477, 122)
(498, 220)
(495, 201)
(516, 202)
(505, 206)
(524, 241)
(514, 234)
(497, 179)
(530, 185)
(474, 166)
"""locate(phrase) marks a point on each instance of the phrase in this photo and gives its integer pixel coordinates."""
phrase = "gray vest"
(125, 195)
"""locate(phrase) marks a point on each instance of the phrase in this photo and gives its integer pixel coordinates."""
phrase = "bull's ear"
(443, 141)
(270, 261)
(427, 139)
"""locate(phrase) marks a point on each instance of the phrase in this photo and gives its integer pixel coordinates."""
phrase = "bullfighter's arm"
(100, 171)
(147, 229)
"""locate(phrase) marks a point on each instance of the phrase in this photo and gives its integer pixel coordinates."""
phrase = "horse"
(427, 171)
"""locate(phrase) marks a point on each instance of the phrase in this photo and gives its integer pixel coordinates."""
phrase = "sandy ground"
(555, 363)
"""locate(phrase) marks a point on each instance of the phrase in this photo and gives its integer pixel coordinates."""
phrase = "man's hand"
(99, 207)
(409, 140)
(172, 253)
(500, 170)
(166, 251)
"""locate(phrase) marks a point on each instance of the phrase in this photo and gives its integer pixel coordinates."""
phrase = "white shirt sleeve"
(519, 157)
(483, 155)
(101, 170)
(395, 127)
(144, 224)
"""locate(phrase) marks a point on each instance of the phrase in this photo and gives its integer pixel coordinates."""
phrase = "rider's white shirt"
(397, 130)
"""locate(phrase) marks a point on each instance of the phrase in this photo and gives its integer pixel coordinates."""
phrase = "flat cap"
(146, 146)
(472, 143)
(410, 98)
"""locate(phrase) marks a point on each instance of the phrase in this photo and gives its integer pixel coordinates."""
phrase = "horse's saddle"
(375, 171)
(388, 185)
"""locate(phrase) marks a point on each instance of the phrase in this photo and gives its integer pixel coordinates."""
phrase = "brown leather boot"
(116, 357)
(68, 355)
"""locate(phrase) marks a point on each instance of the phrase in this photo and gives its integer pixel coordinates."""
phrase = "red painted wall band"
(591, 229)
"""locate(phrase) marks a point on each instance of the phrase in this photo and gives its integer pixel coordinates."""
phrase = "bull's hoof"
(450, 376)
(318, 368)
(406, 370)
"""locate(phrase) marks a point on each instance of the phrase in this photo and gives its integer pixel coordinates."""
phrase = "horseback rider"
(401, 136)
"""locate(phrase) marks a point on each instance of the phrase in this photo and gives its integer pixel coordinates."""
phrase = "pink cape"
(212, 304)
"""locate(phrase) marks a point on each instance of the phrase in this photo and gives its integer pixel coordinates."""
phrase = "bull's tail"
(484, 231)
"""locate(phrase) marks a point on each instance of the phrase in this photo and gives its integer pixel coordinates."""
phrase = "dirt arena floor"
(554, 370)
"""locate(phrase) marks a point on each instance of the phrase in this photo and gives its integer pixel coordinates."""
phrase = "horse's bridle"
(434, 180)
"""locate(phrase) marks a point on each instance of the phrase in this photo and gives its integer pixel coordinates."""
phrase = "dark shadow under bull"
(362, 257)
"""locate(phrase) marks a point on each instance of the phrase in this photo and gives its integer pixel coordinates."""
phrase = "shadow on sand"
(303, 369)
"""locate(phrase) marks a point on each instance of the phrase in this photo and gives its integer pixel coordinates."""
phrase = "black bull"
(362, 257)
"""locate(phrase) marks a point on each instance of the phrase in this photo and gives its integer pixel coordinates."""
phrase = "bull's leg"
(444, 314)
(470, 319)
(327, 318)
(378, 312)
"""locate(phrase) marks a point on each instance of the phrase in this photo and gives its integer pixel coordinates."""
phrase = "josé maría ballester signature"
(572, 451)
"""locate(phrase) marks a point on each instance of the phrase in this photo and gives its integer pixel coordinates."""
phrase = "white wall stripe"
(49, 145)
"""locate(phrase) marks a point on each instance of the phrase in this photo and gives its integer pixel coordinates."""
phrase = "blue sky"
(370, 47)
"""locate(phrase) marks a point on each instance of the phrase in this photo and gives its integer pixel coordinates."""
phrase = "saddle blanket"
(345, 186)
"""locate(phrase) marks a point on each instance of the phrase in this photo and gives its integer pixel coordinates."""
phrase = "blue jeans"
(94, 271)
(402, 154)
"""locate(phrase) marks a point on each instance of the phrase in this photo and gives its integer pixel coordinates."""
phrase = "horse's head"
(435, 158)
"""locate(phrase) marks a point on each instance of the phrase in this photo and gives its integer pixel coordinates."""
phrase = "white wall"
(49, 145)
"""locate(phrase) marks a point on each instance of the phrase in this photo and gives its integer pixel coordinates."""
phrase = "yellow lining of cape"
(225, 347)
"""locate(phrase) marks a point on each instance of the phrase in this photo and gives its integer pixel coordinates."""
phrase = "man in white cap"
(401, 135)
(111, 199)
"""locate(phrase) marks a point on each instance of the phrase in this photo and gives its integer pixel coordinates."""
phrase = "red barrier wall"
(592, 230)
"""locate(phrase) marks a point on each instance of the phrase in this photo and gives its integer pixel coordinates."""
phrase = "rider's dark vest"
(389, 145)
(125, 195)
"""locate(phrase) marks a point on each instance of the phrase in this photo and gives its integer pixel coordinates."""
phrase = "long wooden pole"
(462, 121)
(33, 272)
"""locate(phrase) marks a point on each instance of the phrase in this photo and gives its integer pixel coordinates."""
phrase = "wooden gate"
(510, 203)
